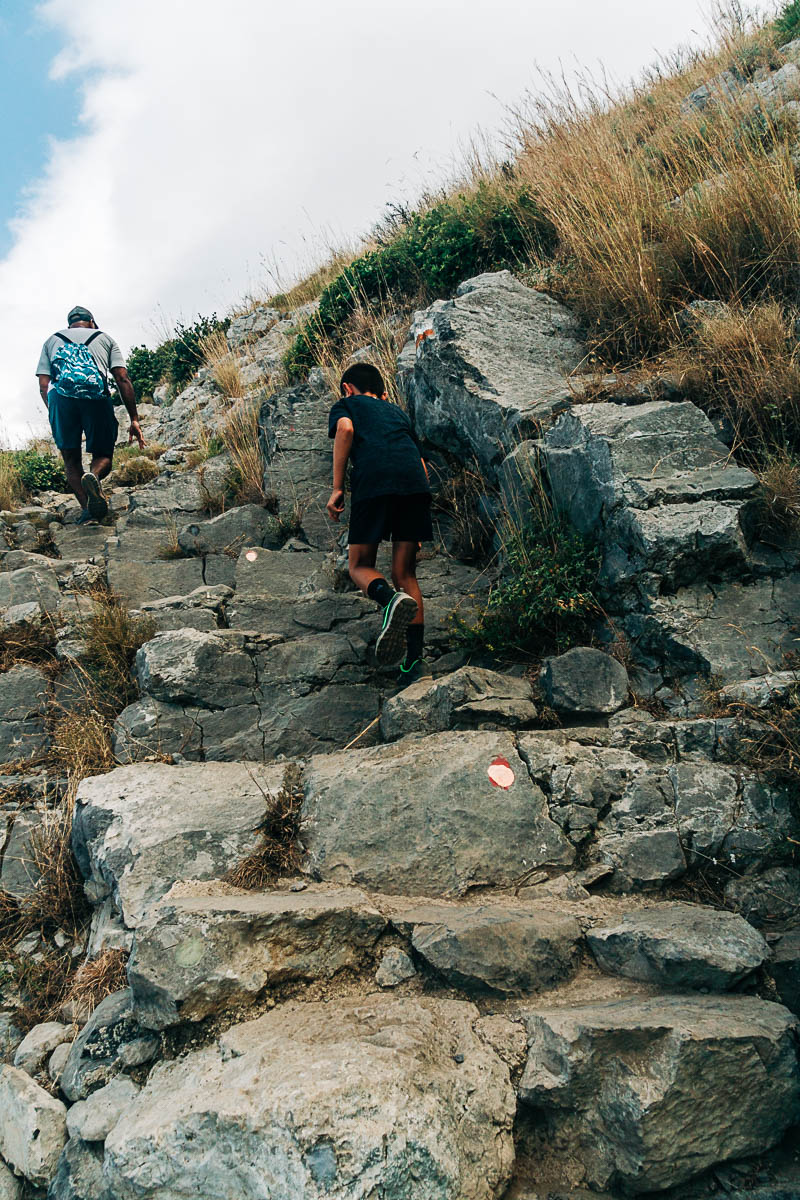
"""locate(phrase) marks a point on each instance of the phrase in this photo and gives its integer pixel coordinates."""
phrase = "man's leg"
(73, 469)
(100, 465)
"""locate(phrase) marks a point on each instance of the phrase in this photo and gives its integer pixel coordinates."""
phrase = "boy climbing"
(391, 498)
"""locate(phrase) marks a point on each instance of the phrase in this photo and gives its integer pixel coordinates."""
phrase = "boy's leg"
(404, 576)
(361, 564)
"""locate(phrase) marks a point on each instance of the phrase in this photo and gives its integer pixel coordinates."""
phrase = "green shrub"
(426, 254)
(788, 22)
(39, 472)
(543, 599)
(175, 361)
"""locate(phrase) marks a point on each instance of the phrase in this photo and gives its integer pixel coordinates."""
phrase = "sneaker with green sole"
(413, 672)
(96, 501)
(397, 616)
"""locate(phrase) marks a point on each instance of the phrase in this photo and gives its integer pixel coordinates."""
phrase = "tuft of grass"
(224, 365)
(460, 497)
(29, 643)
(58, 900)
(135, 470)
(153, 450)
(112, 638)
(98, 978)
(371, 333)
(279, 850)
(209, 445)
(780, 479)
(12, 491)
(171, 547)
(242, 439)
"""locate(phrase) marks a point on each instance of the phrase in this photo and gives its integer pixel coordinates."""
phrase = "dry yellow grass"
(240, 434)
(279, 850)
(780, 478)
(379, 333)
(12, 491)
(224, 365)
(96, 979)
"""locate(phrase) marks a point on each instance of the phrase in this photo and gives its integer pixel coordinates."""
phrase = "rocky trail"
(543, 934)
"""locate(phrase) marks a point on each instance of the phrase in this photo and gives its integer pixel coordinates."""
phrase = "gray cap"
(78, 313)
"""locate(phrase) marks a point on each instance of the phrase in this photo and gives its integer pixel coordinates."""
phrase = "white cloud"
(216, 136)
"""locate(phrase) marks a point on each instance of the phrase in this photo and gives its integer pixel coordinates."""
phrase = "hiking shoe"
(97, 503)
(413, 672)
(397, 616)
(83, 517)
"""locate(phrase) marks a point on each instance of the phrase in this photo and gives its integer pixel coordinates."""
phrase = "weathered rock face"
(680, 946)
(466, 699)
(139, 828)
(423, 816)
(198, 954)
(110, 1041)
(494, 948)
(24, 693)
(79, 1174)
(93, 1119)
(585, 680)
(311, 1101)
(494, 369)
(649, 1093)
(33, 1126)
(39, 1043)
(249, 525)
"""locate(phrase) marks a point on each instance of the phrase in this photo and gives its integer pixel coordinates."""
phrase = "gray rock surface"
(10, 1185)
(494, 948)
(422, 816)
(246, 525)
(395, 967)
(19, 873)
(494, 370)
(785, 969)
(39, 1043)
(648, 1093)
(27, 585)
(93, 1119)
(317, 1100)
(110, 1041)
(469, 698)
(188, 666)
(680, 946)
(32, 1126)
(198, 954)
(24, 693)
(79, 1174)
(139, 828)
(585, 680)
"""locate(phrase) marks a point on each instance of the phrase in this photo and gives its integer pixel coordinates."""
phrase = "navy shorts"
(395, 518)
(70, 419)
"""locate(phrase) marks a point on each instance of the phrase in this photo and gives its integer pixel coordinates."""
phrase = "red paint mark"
(500, 774)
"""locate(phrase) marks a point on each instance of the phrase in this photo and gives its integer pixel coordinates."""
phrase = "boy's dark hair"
(364, 378)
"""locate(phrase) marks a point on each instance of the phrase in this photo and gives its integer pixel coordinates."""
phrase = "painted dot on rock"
(251, 555)
(501, 775)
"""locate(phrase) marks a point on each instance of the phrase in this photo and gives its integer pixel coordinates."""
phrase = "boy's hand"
(335, 505)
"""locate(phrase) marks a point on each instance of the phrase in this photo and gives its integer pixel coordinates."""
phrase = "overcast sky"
(168, 153)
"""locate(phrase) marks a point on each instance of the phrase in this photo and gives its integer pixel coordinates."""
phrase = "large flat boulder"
(585, 680)
(648, 1093)
(140, 828)
(248, 524)
(355, 1098)
(423, 816)
(198, 953)
(492, 947)
(493, 369)
(28, 585)
(188, 666)
(680, 946)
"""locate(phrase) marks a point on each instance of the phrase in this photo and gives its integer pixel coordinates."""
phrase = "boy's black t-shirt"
(385, 456)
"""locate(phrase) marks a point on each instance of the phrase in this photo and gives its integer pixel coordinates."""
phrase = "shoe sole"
(96, 501)
(391, 644)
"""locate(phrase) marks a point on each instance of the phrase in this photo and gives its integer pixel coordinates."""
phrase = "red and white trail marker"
(501, 774)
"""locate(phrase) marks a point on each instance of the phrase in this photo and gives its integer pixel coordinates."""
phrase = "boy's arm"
(342, 445)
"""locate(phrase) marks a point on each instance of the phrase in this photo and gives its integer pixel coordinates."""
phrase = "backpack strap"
(67, 341)
(97, 333)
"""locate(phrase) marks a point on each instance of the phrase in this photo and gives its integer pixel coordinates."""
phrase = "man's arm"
(125, 388)
(44, 384)
(342, 444)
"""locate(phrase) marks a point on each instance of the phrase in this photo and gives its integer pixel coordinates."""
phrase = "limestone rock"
(57, 1062)
(93, 1119)
(139, 828)
(770, 895)
(350, 1099)
(39, 1043)
(79, 1174)
(395, 967)
(201, 609)
(199, 953)
(761, 691)
(32, 1126)
(10, 1035)
(493, 948)
(10, 1185)
(648, 1093)
(23, 693)
(585, 680)
(494, 368)
(188, 666)
(466, 699)
(27, 585)
(422, 816)
(680, 946)
(245, 525)
(785, 969)
(110, 1041)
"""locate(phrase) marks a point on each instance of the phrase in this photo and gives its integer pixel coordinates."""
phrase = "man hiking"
(73, 375)
(390, 498)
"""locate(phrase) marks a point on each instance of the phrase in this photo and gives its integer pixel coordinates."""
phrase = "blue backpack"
(75, 372)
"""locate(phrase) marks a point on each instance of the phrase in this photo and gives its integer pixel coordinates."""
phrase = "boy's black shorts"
(399, 518)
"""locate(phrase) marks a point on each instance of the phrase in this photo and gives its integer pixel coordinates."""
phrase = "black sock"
(380, 591)
(415, 636)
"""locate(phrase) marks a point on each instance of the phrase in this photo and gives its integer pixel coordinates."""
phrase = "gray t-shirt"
(104, 350)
